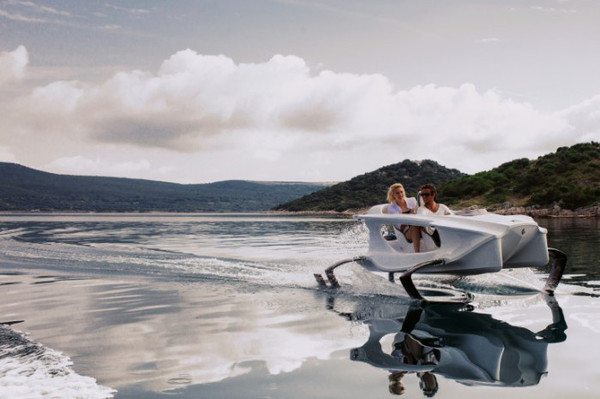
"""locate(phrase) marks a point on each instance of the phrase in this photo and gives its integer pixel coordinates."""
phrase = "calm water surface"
(225, 306)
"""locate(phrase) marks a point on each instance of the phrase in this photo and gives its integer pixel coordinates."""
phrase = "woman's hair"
(393, 187)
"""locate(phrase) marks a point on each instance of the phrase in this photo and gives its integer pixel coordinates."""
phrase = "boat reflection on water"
(453, 341)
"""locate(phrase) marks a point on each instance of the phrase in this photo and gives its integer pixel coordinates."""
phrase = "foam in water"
(30, 370)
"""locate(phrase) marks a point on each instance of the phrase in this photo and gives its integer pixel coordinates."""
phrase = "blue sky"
(201, 91)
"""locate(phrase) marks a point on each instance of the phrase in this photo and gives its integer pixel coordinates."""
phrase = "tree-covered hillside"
(23, 189)
(570, 177)
(371, 188)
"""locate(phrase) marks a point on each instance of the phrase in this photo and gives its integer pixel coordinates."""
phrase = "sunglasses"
(426, 194)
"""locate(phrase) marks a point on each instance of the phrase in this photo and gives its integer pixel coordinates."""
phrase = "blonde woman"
(400, 203)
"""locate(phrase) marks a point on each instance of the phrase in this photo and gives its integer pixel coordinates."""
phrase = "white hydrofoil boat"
(472, 242)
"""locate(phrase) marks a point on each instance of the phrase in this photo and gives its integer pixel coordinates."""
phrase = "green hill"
(570, 178)
(23, 189)
(371, 188)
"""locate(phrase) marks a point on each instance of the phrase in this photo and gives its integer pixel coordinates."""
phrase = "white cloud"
(77, 162)
(87, 166)
(30, 12)
(481, 121)
(13, 65)
(40, 9)
(19, 17)
(554, 10)
(111, 27)
(584, 119)
(133, 11)
(195, 98)
(6, 155)
(205, 117)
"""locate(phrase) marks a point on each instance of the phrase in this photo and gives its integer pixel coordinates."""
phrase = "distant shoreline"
(552, 212)
(535, 212)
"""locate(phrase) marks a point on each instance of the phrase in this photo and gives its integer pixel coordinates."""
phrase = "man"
(430, 207)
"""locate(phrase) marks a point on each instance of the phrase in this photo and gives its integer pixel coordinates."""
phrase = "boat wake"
(30, 370)
(278, 263)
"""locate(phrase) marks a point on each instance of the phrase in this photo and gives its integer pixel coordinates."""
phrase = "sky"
(198, 91)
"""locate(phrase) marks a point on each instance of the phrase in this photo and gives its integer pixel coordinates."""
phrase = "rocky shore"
(553, 212)
(505, 209)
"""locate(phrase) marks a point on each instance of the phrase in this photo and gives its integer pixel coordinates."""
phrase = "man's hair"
(430, 186)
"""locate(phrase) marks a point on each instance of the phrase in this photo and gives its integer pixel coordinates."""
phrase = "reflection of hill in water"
(457, 343)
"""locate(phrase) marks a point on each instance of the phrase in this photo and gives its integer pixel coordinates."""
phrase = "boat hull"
(481, 243)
